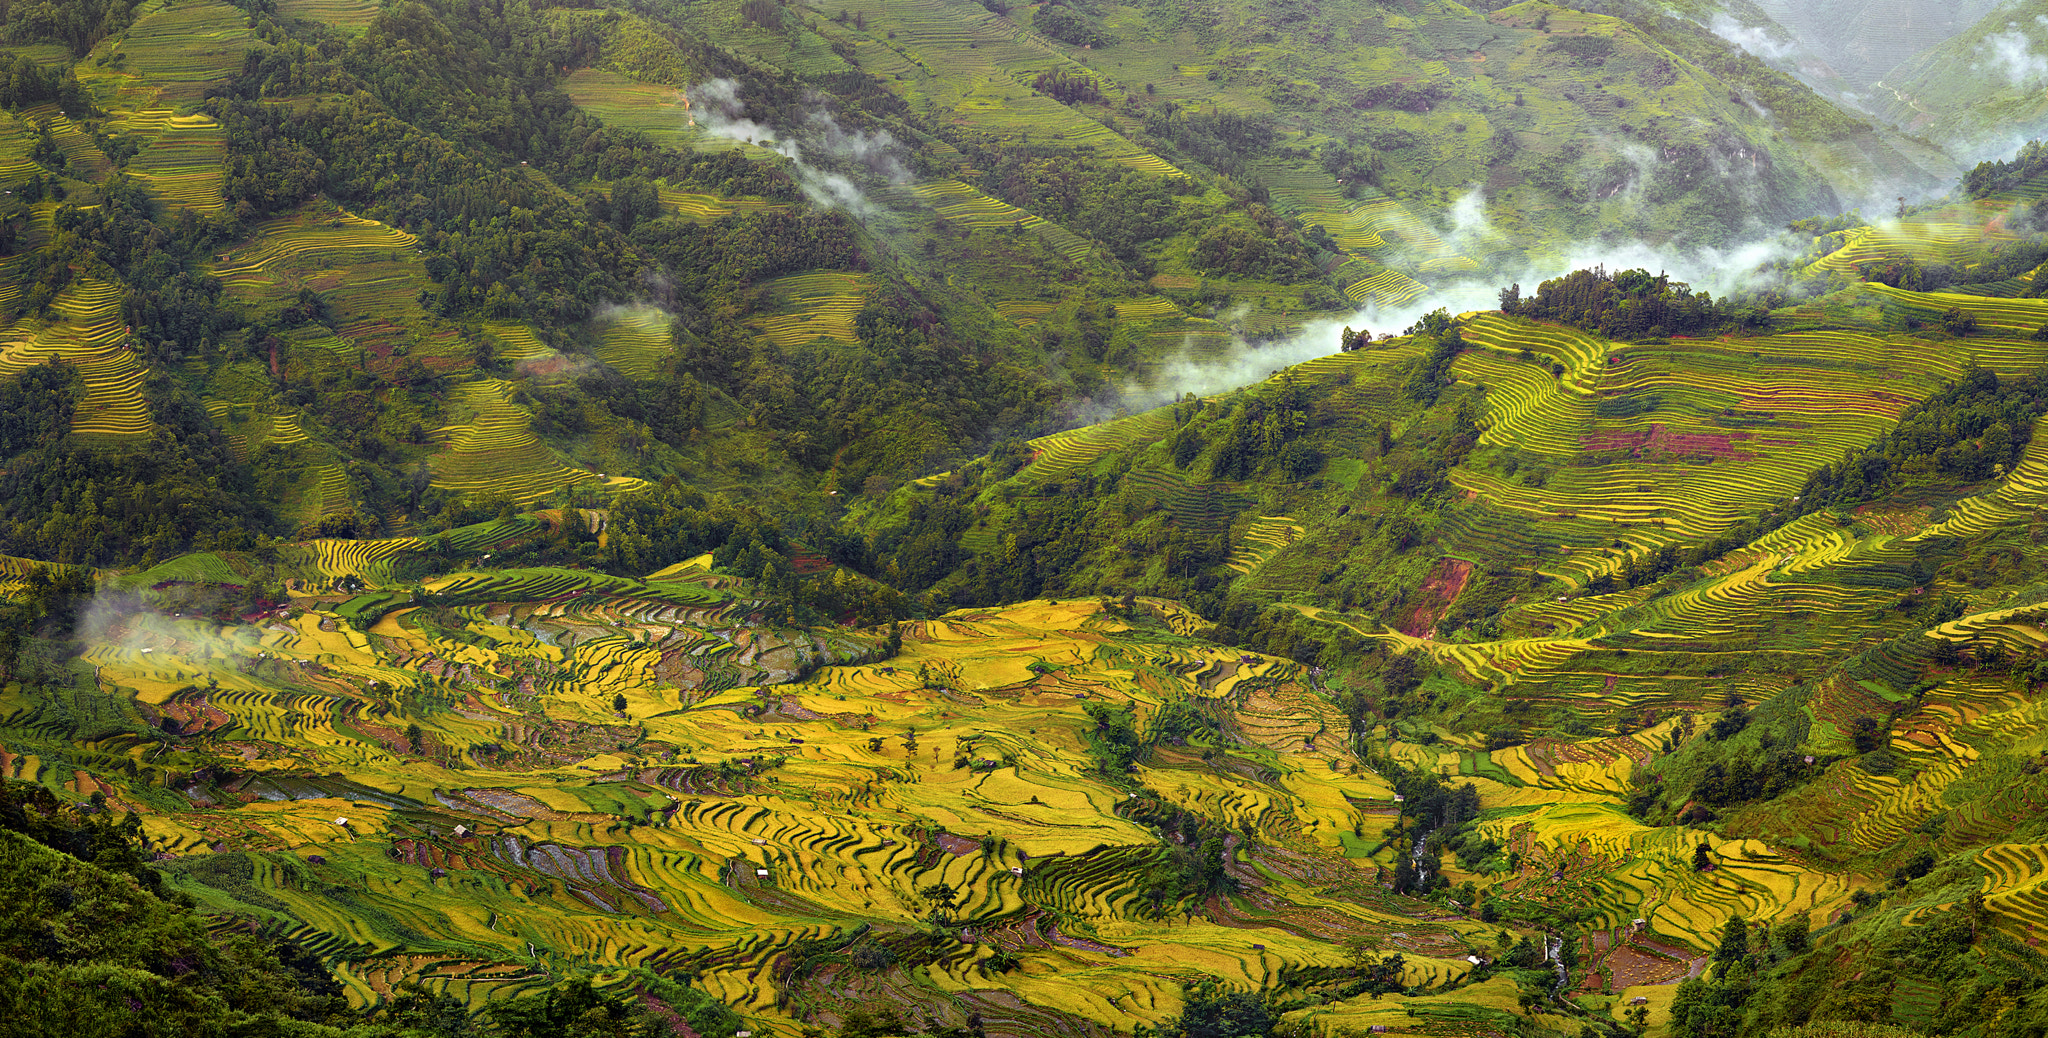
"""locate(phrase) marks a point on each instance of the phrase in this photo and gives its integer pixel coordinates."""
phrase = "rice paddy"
(182, 46)
(86, 332)
(347, 15)
(494, 451)
(730, 791)
(739, 801)
(805, 307)
(547, 770)
(183, 164)
(636, 340)
(651, 108)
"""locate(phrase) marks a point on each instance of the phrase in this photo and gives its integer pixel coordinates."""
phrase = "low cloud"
(2011, 55)
(1723, 271)
(1753, 39)
(817, 139)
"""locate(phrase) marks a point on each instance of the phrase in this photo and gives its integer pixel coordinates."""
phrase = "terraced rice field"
(651, 108)
(347, 15)
(309, 245)
(704, 208)
(963, 205)
(1063, 452)
(1262, 541)
(804, 307)
(87, 334)
(83, 158)
(636, 341)
(709, 825)
(1924, 241)
(517, 342)
(183, 165)
(493, 449)
(1387, 288)
(185, 45)
(1680, 469)
(780, 807)
(1025, 312)
(16, 140)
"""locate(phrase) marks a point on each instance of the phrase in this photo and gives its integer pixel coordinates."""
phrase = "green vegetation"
(678, 518)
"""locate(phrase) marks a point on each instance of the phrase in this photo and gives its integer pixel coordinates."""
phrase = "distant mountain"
(1862, 40)
(1984, 90)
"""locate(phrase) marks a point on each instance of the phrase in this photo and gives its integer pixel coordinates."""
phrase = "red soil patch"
(1632, 966)
(957, 846)
(1435, 597)
(1658, 439)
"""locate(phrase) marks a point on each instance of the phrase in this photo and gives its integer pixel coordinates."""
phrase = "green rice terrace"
(714, 518)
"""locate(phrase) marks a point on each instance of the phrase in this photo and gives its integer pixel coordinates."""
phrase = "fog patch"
(2010, 54)
(816, 140)
(1755, 40)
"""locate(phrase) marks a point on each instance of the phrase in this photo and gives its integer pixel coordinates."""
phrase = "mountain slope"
(1982, 88)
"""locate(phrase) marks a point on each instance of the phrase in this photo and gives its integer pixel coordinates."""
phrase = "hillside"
(709, 517)
(1542, 639)
(775, 252)
(1981, 88)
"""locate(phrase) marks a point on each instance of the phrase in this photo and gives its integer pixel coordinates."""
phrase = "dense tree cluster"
(1119, 207)
(1264, 246)
(77, 24)
(504, 245)
(1070, 25)
(24, 83)
(1069, 87)
(1972, 429)
(1222, 139)
(1627, 304)
(1994, 175)
(75, 503)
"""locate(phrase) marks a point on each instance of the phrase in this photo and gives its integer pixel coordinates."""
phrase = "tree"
(942, 897)
(1702, 856)
(1795, 932)
(1734, 941)
(1383, 975)
(619, 703)
(574, 1010)
(1210, 1012)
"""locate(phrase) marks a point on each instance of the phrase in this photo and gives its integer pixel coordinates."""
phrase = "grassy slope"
(1968, 89)
(601, 843)
(614, 839)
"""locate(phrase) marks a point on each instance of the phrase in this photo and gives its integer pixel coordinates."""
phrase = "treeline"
(1972, 429)
(671, 523)
(1992, 176)
(178, 486)
(507, 247)
(1222, 139)
(74, 503)
(1628, 304)
(1122, 208)
(1262, 245)
(79, 25)
(24, 83)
